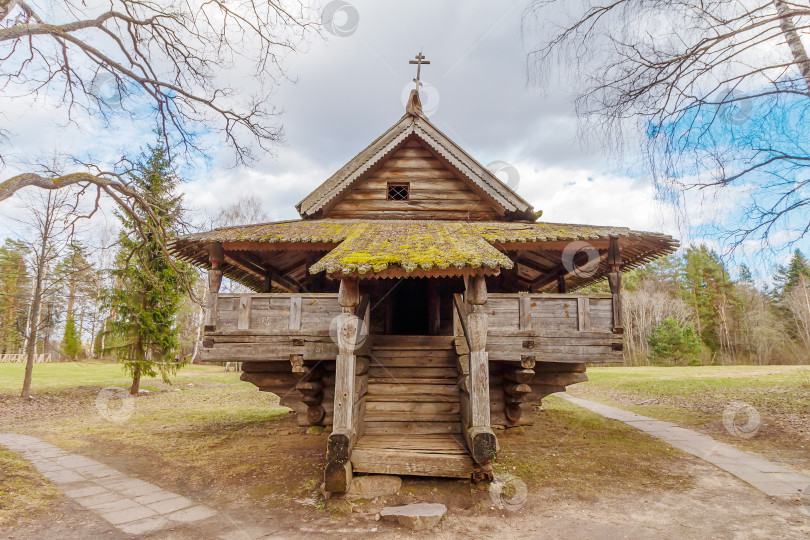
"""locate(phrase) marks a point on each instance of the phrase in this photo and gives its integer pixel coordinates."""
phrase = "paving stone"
(111, 480)
(155, 497)
(98, 498)
(766, 476)
(85, 491)
(419, 517)
(63, 477)
(143, 526)
(114, 506)
(774, 489)
(98, 471)
(128, 515)
(168, 506)
(195, 513)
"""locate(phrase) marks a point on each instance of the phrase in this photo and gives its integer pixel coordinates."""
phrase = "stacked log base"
(514, 387)
(310, 394)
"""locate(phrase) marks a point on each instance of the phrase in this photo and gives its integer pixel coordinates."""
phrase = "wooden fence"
(21, 358)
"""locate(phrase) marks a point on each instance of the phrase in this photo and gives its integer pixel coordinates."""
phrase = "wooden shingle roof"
(388, 248)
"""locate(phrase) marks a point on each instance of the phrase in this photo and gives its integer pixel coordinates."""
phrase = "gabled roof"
(415, 124)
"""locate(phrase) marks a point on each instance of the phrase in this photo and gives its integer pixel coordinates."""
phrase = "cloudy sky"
(350, 87)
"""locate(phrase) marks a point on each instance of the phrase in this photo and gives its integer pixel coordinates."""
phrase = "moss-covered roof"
(368, 247)
(411, 245)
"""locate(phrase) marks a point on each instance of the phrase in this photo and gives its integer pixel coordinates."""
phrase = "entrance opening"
(409, 301)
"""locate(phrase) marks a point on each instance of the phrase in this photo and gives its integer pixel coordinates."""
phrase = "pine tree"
(145, 302)
(71, 342)
(788, 277)
(706, 287)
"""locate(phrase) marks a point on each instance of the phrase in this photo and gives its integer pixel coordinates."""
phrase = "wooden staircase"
(412, 418)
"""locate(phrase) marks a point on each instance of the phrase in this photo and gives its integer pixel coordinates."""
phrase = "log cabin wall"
(434, 191)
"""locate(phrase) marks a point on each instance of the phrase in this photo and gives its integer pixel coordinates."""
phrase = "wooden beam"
(215, 258)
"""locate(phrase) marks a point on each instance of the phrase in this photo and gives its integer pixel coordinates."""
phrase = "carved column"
(338, 472)
(614, 261)
(479, 435)
(216, 257)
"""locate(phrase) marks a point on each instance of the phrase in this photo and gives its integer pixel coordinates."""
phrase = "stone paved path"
(766, 476)
(131, 505)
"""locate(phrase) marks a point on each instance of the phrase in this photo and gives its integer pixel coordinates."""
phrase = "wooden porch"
(405, 404)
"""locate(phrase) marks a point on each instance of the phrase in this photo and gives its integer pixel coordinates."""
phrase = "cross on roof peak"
(420, 60)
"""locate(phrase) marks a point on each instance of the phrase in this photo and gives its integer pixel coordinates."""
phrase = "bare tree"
(798, 302)
(718, 89)
(51, 219)
(97, 57)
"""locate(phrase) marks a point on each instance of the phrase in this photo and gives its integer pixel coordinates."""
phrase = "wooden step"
(440, 444)
(413, 372)
(410, 416)
(411, 428)
(410, 361)
(411, 454)
(413, 398)
(398, 388)
(428, 406)
(413, 342)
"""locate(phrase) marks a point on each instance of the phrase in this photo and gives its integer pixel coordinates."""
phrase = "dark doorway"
(409, 301)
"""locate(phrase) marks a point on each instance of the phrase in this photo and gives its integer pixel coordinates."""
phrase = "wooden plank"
(410, 416)
(418, 408)
(411, 463)
(295, 313)
(419, 372)
(411, 428)
(413, 398)
(525, 313)
(243, 322)
(583, 314)
(439, 389)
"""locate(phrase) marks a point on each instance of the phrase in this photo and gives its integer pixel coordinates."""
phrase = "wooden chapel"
(416, 306)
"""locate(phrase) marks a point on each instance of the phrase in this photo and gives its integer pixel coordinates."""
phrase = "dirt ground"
(585, 476)
(718, 506)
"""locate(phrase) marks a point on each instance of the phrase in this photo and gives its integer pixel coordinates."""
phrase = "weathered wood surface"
(412, 413)
(435, 191)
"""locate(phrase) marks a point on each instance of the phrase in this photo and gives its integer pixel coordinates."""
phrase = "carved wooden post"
(480, 438)
(338, 472)
(216, 257)
(614, 261)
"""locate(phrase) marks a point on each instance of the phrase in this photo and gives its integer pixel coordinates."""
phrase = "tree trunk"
(33, 327)
(794, 41)
(136, 381)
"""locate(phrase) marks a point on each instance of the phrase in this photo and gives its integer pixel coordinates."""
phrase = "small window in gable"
(398, 192)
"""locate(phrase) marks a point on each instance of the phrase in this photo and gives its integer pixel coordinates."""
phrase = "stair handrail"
(461, 309)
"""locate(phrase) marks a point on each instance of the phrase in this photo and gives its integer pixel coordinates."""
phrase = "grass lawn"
(214, 437)
(62, 375)
(697, 397)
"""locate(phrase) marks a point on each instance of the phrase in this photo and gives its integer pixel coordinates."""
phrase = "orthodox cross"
(420, 60)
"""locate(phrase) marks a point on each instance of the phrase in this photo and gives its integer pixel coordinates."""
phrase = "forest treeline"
(685, 309)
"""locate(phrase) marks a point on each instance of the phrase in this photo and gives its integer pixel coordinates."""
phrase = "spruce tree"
(71, 342)
(788, 277)
(144, 330)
